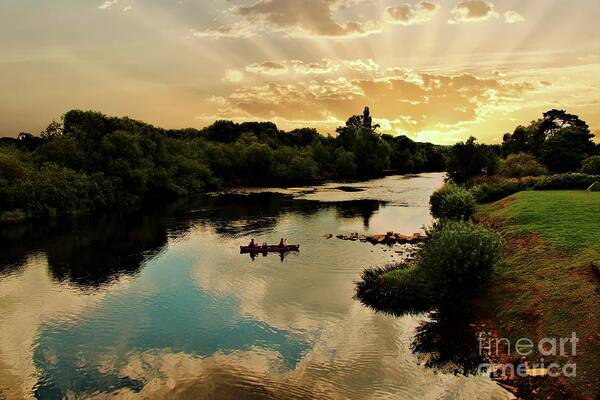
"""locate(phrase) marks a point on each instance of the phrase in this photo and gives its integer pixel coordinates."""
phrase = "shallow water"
(161, 304)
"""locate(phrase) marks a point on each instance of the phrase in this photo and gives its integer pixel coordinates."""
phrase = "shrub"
(452, 202)
(457, 261)
(493, 191)
(574, 181)
(394, 289)
(454, 266)
(591, 165)
(520, 165)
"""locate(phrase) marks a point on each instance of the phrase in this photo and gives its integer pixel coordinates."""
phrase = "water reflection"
(162, 305)
(436, 340)
(363, 209)
(87, 253)
(91, 252)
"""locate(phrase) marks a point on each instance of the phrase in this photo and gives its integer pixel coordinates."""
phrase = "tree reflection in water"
(94, 251)
(448, 344)
(446, 340)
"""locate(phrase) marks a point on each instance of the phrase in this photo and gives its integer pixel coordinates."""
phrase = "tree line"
(557, 143)
(91, 161)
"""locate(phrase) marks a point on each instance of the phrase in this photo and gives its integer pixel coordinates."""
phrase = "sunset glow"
(437, 71)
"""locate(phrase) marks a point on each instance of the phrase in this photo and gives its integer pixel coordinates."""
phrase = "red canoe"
(269, 249)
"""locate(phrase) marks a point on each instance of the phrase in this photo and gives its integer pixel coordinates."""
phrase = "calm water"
(162, 305)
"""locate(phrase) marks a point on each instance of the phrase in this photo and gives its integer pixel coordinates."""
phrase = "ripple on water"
(175, 311)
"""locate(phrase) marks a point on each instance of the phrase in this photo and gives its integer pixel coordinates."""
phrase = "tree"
(558, 139)
(28, 141)
(566, 148)
(11, 167)
(360, 136)
(591, 165)
(469, 159)
(555, 120)
(371, 153)
(54, 130)
(525, 139)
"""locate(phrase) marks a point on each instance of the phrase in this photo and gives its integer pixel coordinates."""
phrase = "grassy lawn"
(547, 286)
(568, 219)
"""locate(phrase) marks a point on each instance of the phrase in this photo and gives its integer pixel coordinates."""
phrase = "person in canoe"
(252, 243)
(282, 242)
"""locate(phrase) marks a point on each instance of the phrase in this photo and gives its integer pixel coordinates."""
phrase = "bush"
(493, 191)
(457, 261)
(395, 289)
(591, 165)
(572, 181)
(520, 165)
(454, 266)
(452, 202)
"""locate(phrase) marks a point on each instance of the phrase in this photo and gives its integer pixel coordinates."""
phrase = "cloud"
(361, 65)
(407, 14)
(293, 17)
(238, 30)
(348, 372)
(322, 67)
(108, 4)
(513, 17)
(233, 76)
(408, 100)
(268, 68)
(472, 11)
(339, 363)
(23, 316)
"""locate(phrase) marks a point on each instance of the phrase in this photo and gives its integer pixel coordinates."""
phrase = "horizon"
(436, 71)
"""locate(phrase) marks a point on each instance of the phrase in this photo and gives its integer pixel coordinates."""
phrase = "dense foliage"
(566, 182)
(490, 189)
(497, 189)
(92, 161)
(452, 202)
(454, 266)
(559, 140)
(395, 289)
(457, 261)
(520, 165)
(469, 159)
(591, 165)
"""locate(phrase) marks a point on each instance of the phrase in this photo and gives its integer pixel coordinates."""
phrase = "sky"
(434, 70)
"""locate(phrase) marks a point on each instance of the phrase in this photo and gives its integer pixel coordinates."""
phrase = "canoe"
(269, 249)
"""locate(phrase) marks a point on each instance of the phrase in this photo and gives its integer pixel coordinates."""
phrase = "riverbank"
(547, 287)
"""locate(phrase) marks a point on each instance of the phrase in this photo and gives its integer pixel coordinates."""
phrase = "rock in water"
(328, 236)
(594, 188)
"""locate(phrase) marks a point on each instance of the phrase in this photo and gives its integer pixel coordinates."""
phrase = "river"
(161, 304)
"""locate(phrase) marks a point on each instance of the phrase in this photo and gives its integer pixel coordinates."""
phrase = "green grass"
(547, 286)
(395, 276)
(568, 219)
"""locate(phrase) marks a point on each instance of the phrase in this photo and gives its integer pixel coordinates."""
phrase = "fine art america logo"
(498, 348)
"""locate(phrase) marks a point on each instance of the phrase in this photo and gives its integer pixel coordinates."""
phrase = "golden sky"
(435, 70)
